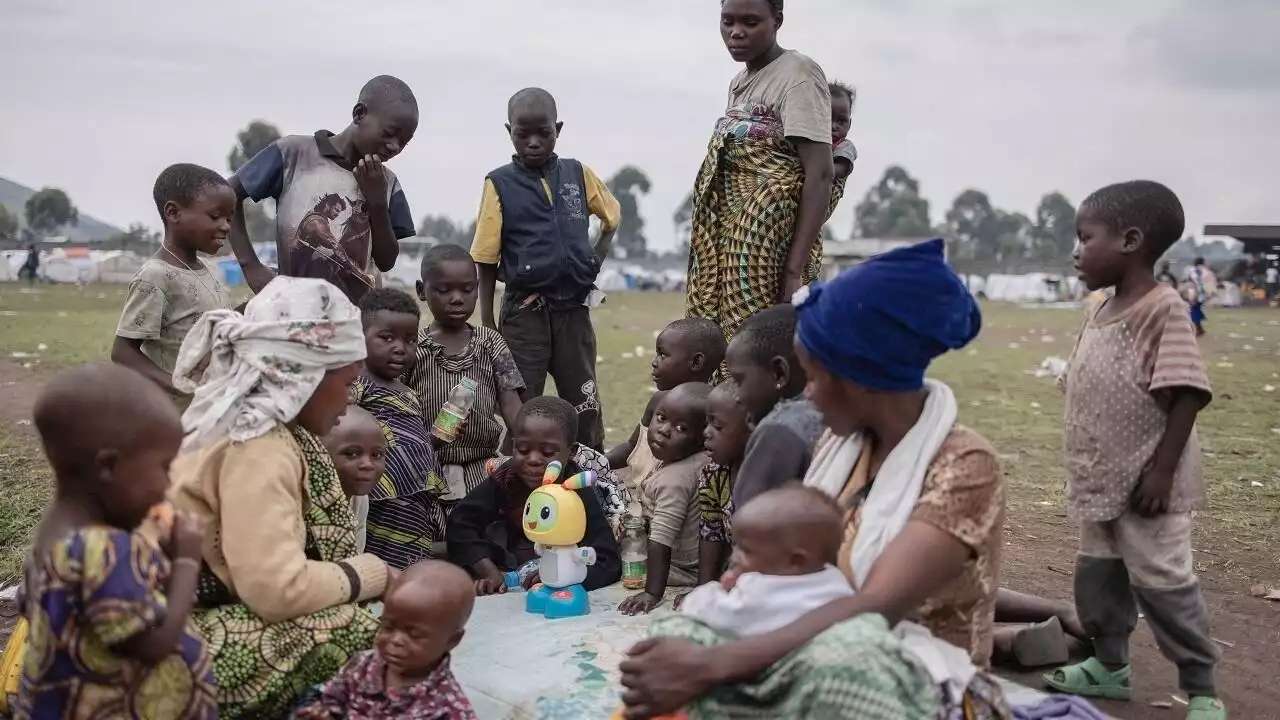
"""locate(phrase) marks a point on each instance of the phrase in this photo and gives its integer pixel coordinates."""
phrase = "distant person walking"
(768, 182)
(1202, 288)
(31, 268)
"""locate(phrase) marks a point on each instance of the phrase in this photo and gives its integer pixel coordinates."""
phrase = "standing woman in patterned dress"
(767, 184)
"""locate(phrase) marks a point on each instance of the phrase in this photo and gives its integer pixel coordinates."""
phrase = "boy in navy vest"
(533, 234)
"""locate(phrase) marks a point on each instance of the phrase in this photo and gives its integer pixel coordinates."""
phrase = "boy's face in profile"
(358, 449)
(386, 131)
(1102, 254)
(841, 117)
(533, 134)
(674, 362)
(725, 437)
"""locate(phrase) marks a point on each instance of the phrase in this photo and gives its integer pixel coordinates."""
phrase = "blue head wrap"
(879, 324)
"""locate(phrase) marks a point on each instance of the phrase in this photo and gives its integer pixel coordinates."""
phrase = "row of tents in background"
(82, 266)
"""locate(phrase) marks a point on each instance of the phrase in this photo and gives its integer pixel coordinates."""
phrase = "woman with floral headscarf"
(923, 513)
(280, 578)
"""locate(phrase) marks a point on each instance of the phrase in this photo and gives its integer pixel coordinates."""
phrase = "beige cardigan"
(248, 499)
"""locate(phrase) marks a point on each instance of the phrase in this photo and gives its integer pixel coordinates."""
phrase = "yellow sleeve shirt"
(486, 246)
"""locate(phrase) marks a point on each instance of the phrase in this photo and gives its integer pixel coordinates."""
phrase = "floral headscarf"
(253, 371)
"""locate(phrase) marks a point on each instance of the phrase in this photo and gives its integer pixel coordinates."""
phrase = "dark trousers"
(560, 342)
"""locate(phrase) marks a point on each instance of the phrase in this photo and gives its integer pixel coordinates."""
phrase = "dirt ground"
(1038, 560)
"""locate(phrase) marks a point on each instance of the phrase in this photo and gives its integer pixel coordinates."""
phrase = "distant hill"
(90, 229)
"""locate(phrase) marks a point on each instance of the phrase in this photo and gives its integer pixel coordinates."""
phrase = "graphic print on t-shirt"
(329, 238)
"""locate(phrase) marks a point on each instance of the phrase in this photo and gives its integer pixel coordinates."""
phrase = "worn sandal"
(1206, 708)
(1091, 679)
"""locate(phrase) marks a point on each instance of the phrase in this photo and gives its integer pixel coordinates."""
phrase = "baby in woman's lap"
(786, 543)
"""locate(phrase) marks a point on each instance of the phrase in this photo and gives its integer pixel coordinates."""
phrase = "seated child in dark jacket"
(486, 533)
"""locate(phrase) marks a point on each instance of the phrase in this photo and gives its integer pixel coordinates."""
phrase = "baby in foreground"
(407, 675)
(783, 564)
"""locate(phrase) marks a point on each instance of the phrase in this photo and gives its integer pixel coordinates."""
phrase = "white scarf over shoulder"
(887, 509)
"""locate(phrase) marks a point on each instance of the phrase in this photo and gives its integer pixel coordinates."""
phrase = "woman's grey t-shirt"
(779, 449)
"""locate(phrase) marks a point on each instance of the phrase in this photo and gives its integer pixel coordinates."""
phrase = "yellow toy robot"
(556, 521)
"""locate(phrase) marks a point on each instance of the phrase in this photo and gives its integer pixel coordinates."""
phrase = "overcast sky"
(1016, 98)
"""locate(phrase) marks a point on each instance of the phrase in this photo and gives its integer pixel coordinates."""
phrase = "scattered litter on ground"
(1264, 592)
(1047, 339)
(24, 422)
(640, 351)
(8, 313)
(972, 352)
(1035, 405)
(1268, 388)
(1246, 348)
(17, 355)
(1162, 704)
(1225, 365)
(1051, 367)
(1255, 483)
(1224, 643)
(42, 347)
(1013, 346)
(628, 356)
(10, 593)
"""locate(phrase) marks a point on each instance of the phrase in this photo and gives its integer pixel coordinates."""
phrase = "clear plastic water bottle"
(455, 410)
(635, 553)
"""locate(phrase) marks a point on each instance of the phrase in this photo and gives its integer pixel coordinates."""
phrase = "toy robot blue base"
(554, 603)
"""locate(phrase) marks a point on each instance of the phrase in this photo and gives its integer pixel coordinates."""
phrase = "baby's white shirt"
(761, 603)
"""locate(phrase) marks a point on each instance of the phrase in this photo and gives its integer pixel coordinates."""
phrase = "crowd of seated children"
(687, 350)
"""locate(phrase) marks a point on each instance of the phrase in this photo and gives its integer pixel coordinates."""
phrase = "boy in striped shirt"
(1134, 386)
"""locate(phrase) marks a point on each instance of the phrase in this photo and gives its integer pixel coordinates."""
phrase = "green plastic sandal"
(1206, 708)
(1091, 679)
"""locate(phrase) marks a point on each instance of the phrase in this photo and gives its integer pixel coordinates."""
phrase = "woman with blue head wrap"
(923, 501)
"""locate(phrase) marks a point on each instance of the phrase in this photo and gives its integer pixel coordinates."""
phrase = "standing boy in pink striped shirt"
(1134, 385)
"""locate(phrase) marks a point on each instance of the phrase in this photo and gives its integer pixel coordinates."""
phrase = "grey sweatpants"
(1147, 560)
(561, 343)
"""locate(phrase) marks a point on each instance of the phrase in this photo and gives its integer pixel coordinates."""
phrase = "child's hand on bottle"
(639, 604)
(530, 581)
(491, 586)
(185, 538)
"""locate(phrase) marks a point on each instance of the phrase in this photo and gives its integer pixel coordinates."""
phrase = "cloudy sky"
(1012, 97)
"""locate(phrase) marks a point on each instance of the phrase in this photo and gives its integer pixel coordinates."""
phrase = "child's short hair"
(532, 98)
(437, 255)
(844, 89)
(702, 336)
(552, 408)
(1143, 204)
(384, 91)
(182, 183)
(389, 299)
(769, 333)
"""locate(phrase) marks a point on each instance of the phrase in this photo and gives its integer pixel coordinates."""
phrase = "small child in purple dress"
(407, 675)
